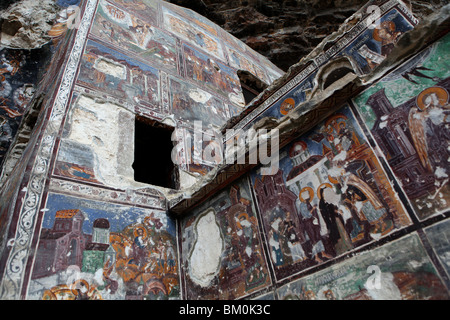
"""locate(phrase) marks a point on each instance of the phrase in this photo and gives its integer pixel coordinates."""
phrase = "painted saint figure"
(428, 123)
(386, 34)
(294, 241)
(274, 242)
(139, 248)
(161, 254)
(170, 257)
(311, 222)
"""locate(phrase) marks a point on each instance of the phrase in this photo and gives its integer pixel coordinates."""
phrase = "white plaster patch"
(276, 224)
(440, 173)
(331, 197)
(99, 125)
(112, 68)
(237, 98)
(206, 254)
(437, 116)
(186, 180)
(199, 96)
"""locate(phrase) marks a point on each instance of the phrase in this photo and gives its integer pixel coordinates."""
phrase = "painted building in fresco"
(357, 208)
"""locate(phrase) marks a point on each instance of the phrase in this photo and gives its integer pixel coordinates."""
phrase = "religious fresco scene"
(96, 250)
(374, 45)
(116, 74)
(406, 112)
(222, 255)
(190, 103)
(330, 195)
(401, 268)
(192, 18)
(357, 208)
(128, 32)
(146, 10)
(171, 65)
(194, 33)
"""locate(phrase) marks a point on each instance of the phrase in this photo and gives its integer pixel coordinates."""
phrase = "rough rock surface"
(25, 24)
(286, 30)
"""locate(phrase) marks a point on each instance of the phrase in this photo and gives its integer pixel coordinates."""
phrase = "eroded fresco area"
(222, 254)
(330, 195)
(330, 198)
(117, 75)
(126, 31)
(400, 270)
(193, 151)
(166, 64)
(21, 70)
(108, 236)
(98, 250)
(406, 112)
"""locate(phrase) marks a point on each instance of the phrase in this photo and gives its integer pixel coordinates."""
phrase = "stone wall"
(358, 202)
(347, 214)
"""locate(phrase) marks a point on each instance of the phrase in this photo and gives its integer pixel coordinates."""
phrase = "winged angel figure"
(428, 123)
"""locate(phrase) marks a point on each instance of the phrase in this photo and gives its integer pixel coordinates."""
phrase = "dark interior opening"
(11, 27)
(335, 75)
(152, 154)
(251, 85)
(249, 93)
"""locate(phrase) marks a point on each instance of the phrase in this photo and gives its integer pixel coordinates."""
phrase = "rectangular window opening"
(251, 85)
(152, 154)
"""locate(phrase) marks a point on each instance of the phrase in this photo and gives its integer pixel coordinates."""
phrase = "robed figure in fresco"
(329, 213)
(139, 247)
(312, 222)
(428, 123)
